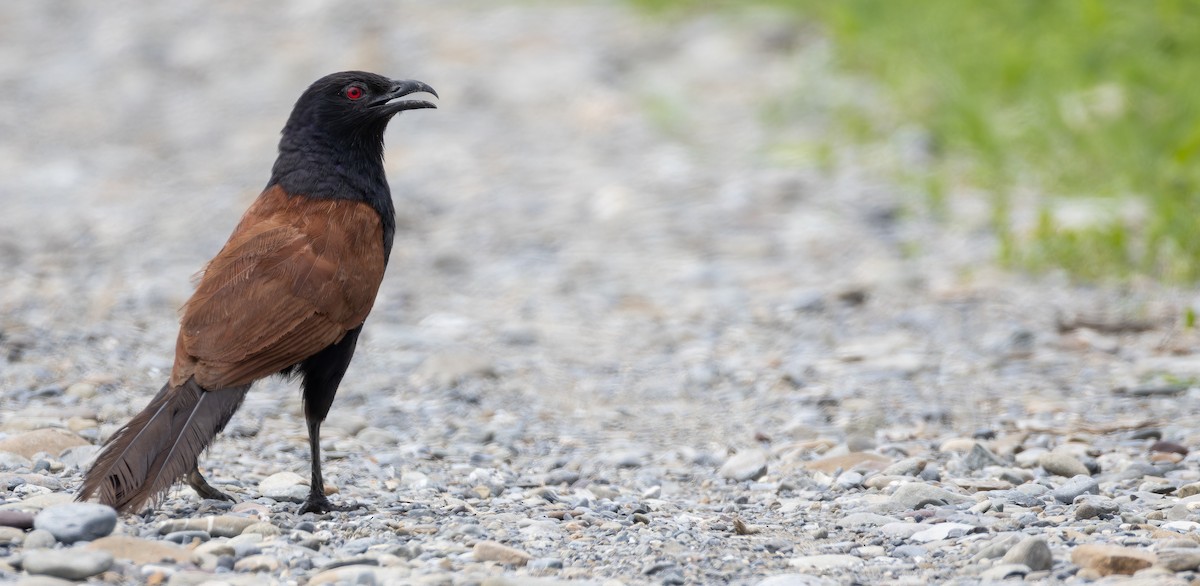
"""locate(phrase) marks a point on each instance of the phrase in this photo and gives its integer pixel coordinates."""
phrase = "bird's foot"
(319, 504)
(203, 488)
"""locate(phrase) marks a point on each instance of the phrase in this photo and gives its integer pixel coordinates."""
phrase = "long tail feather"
(159, 445)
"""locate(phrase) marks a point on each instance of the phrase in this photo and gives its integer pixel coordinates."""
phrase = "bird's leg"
(322, 374)
(316, 502)
(203, 488)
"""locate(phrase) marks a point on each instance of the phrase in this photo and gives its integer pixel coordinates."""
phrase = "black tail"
(143, 459)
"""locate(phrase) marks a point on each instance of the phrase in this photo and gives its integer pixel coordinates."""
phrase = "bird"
(286, 295)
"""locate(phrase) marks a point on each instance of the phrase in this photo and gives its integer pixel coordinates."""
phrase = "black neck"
(348, 167)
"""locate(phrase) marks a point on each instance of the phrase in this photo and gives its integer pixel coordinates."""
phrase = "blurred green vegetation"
(1080, 100)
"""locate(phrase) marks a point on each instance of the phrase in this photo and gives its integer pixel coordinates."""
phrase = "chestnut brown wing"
(295, 276)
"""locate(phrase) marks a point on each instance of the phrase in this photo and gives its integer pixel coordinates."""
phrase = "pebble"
(942, 531)
(825, 562)
(18, 519)
(51, 441)
(70, 564)
(11, 535)
(1094, 506)
(1179, 559)
(491, 551)
(1061, 463)
(77, 521)
(1111, 559)
(796, 580)
(217, 526)
(1005, 571)
(257, 563)
(745, 465)
(39, 538)
(915, 495)
(284, 486)
(1032, 552)
(1075, 487)
(140, 551)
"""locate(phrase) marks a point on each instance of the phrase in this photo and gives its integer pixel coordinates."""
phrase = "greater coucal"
(287, 295)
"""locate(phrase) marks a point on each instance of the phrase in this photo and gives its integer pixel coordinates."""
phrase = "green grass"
(1075, 98)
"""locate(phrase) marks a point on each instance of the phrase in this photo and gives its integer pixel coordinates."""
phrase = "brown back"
(294, 277)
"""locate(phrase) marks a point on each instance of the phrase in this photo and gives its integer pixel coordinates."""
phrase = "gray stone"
(1061, 463)
(910, 551)
(1179, 559)
(942, 531)
(796, 580)
(981, 457)
(902, 529)
(39, 538)
(905, 467)
(1005, 571)
(997, 547)
(218, 526)
(866, 520)
(71, 564)
(79, 457)
(1073, 488)
(1091, 506)
(285, 487)
(915, 495)
(1031, 551)
(77, 521)
(745, 465)
(830, 561)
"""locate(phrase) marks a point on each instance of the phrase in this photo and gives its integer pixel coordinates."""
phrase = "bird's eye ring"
(354, 92)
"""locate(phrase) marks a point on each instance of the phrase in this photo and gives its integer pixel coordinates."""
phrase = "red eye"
(354, 92)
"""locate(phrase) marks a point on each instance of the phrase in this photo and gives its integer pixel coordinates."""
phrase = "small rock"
(11, 536)
(1005, 571)
(18, 519)
(1093, 506)
(1188, 490)
(79, 457)
(1179, 559)
(981, 457)
(545, 564)
(140, 551)
(49, 440)
(70, 564)
(491, 551)
(354, 574)
(187, 537)
(284, 486)
(796, 580)
(77, 521)
(1111, 559)
(218, 526)
(1074, 488)
(1062, 463)
(822, 562)
(905, 467)
(901, 530)
(257, 563)
(915, 495)
(997, 547)
(745, 465)
(1169, 447)
(866, 520)
(39, 538)
(262, 528)
(1033, 552)
(942, 531)
(857, 461)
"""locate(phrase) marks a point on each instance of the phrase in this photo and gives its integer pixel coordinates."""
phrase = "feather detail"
(159, 445)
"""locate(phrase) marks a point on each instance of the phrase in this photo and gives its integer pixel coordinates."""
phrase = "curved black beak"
(392, 105)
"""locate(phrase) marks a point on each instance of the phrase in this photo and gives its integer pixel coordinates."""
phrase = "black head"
(353, 104)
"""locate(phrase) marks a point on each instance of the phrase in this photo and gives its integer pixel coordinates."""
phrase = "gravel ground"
(648, 320)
